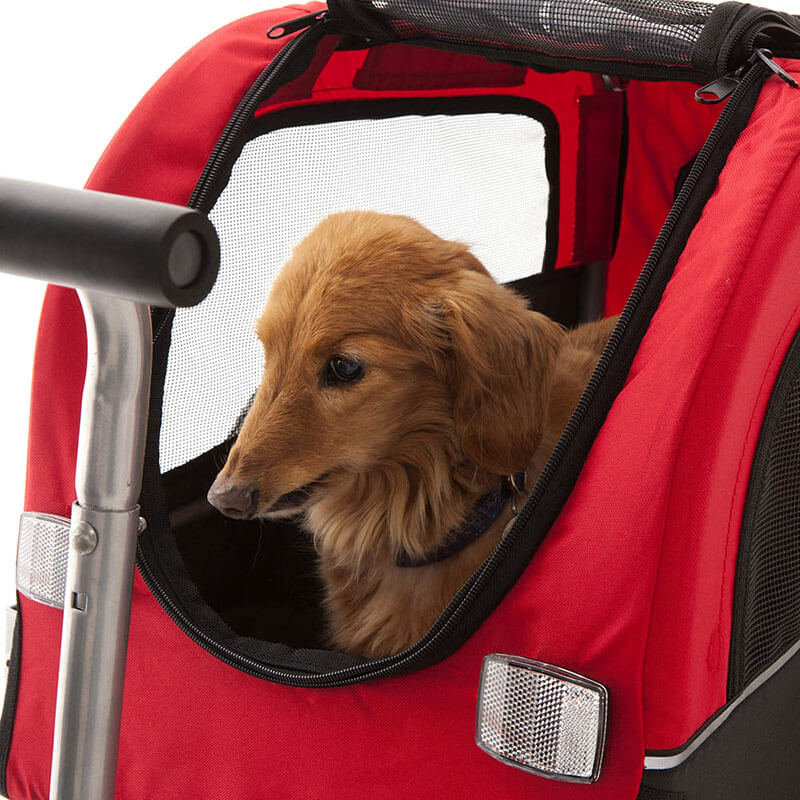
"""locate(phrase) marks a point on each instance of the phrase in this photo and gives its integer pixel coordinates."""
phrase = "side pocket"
(10, 703)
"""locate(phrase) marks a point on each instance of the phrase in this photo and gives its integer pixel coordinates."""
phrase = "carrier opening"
(560, 182)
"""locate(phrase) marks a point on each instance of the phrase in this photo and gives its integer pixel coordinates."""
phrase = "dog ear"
(501, 362)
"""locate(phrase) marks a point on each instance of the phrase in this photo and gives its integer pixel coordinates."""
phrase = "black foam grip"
(155, 253)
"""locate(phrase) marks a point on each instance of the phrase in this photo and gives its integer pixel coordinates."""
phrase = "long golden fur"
(462, 384)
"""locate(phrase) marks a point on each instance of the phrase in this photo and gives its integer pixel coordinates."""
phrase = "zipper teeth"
(244, 112)
(728, 48)
(234, 128)
(463, 600)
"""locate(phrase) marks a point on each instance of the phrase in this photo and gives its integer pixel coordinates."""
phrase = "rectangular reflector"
(42, 551)
(541, 718)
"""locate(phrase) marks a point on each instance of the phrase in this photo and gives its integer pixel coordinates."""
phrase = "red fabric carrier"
(633, 584)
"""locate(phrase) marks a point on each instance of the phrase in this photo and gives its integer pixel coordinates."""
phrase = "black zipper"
(739, 46)
(463, 601)
(724, 86)
(231, 137)
(312, 27)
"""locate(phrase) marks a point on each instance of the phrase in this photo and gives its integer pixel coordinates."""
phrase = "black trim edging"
(10, 702)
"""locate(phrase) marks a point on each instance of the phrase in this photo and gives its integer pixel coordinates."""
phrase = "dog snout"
(238, 502)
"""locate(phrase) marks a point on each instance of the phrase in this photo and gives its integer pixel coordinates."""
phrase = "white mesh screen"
(478, 178)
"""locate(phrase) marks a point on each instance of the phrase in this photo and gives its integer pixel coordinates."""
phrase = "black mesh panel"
(661, 32)
(767, 601)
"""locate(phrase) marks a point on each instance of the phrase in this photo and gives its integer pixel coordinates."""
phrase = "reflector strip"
(541, 718)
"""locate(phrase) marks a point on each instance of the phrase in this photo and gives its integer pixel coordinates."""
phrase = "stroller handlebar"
(155, 253)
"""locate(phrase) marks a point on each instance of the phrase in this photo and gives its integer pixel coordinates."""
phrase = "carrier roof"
(651, 39)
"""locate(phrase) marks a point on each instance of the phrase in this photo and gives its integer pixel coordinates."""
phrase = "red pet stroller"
(636, 632)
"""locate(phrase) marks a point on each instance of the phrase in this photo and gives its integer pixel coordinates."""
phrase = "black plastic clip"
(766, 56)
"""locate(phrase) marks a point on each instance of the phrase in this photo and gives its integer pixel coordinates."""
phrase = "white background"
(71, 72)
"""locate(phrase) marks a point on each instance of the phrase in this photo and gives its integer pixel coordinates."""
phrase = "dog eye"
(340, 370)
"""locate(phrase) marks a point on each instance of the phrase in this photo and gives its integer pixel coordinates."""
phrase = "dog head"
(391, 357)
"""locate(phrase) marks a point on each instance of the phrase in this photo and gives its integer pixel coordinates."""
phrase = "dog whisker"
(258, 546)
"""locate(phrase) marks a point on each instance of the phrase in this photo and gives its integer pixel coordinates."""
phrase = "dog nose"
(234, 501)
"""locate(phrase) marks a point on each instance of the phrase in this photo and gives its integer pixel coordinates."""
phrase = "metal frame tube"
(103, 536)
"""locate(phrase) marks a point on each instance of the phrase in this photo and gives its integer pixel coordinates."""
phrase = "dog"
(404, 393)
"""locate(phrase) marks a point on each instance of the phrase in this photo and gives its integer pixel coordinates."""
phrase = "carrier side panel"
(748, 747)
(582, 603)
(736, 288)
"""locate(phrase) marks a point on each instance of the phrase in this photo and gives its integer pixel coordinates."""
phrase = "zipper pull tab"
(294, 25)
(721, 88)
(717, 90)
(766, 57)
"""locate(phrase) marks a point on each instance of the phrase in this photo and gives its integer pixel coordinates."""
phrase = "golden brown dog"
(401, 383)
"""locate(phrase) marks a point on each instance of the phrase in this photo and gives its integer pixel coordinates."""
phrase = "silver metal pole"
(103, 536)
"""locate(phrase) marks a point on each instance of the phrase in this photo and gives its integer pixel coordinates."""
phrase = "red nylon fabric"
(59, 361)
(28, 773)
(194, 727)
(598, 175)
(723, 328)
(655, 111)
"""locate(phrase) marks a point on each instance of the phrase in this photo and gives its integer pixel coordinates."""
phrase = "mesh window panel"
(660, 32)
(478, 178)
(768, 574)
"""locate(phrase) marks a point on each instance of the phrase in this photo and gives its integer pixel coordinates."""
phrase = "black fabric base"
(261, 578)
(752, 756)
